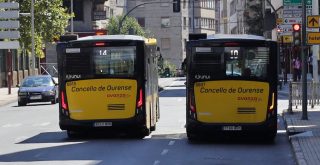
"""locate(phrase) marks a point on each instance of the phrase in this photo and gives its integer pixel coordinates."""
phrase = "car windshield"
(37, 82)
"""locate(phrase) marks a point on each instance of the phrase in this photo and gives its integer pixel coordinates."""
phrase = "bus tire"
(192, 137)
(270, 137)
(153, 128)
(142, 132)
(72, 134)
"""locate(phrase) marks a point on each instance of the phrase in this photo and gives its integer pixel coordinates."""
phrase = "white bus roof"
(235, 36)
(112, 37)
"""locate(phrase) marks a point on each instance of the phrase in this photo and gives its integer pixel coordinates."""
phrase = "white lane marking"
(42, 124)
(157, 162)
(171, 143)
(12, 125)
(164, 152)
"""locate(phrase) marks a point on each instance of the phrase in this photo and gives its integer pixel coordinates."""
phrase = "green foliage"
(127, 24)
(50, 20)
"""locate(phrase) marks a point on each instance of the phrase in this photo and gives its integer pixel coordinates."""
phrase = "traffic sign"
(9, 45)
(313, 38)
(292, 20)
(313, 21)
(287, 39)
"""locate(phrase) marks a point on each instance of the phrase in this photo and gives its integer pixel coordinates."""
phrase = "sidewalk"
(304, 135)
(5, 98)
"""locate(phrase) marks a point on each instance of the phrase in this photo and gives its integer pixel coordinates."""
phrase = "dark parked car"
(40, 88)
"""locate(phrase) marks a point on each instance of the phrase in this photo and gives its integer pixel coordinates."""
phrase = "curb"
(294, 141)
(6, 102)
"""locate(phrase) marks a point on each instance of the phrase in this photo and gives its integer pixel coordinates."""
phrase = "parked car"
(40, 88)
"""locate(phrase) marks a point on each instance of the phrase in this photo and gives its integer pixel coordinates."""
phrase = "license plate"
(231, 128)
(36, 97)
(102, 124)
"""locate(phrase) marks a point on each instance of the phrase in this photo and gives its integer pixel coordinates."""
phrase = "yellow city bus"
(108, 82)
(231, 86)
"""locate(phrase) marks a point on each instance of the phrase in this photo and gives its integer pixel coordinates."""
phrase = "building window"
(184, 22)
(77, 9)
(190, 23)
(165, 22)
(141, 21)
(165, 43)
(232, 8)
(184, 4)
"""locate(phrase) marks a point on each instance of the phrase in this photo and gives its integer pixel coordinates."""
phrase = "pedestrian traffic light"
(176, 6)
(296, 34)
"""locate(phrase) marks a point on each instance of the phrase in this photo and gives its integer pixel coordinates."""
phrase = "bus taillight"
(192, 107)
(140, 100)
(63, 101)
(272, 103)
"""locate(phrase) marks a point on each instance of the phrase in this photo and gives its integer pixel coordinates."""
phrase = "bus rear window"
(232, 61)
(114, 60)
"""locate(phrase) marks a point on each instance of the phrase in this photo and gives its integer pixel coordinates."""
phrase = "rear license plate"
(231, 128)
(102, 124)
(36, 97)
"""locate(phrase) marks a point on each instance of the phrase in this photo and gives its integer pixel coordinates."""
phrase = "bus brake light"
(100, 44)
(192, 108)
(140, 101)
(63, 101)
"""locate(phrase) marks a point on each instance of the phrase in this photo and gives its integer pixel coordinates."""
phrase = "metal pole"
(315, 48)
(304, 64)
(32, 38)
(193, 30)
(71, 22)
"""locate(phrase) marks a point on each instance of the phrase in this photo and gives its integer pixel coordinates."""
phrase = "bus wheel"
(72, 134)
(270, 137)
(192, 136)
(142, 132)
(153, 128)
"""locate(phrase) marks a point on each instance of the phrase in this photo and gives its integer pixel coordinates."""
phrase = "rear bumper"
(196, 127)
(66, 123)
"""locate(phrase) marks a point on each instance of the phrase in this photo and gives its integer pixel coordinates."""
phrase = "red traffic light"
(296, 27)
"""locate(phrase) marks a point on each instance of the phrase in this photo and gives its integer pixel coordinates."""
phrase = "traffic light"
(176, 6)
(296, 34)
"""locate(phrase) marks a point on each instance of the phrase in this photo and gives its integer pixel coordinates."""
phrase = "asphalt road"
(30, 135)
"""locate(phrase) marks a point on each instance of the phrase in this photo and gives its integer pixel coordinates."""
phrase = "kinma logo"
(68, 76)
(201, 77)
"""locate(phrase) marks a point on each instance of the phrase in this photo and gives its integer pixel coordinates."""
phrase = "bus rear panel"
(231, 87)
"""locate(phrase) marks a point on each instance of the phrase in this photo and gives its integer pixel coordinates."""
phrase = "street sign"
(13, 14)
(313, 21)
(292, 20)
(291, 2)
(9, 45)
(9, 24)
(313, 38)
(9, 5)
(287, 39)
(9, 34)
(279, 21)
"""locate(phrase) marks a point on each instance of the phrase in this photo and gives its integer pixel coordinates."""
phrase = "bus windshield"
(232, 61)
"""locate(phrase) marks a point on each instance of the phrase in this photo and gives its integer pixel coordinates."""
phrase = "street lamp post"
(32, 38)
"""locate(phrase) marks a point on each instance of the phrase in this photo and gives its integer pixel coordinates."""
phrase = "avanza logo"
(201, 77)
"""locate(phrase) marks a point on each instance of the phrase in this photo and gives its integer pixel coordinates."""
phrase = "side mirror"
(18, 85)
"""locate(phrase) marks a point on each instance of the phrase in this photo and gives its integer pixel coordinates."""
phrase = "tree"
(128, 24)
(51, 20)
(254, 17)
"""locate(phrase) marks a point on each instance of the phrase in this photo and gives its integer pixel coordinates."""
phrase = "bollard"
(290, 98)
